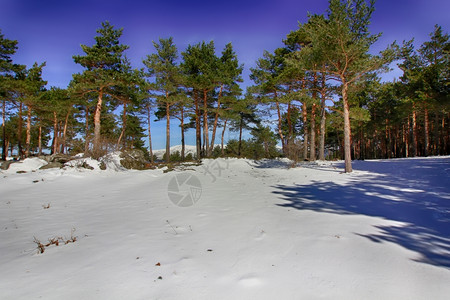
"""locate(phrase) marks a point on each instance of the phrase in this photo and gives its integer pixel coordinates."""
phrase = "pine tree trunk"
(58, 140)
(241, 126)
(28, 137)
(198, 139)
(323, 119)
(167, 130)
(436, 135)
(149, 134)
(305, 130)
(280, 132)
(19, 133)
(205, 122)
(4, 148)
(124, 125)
(406, 138)
(55, 133)
(64, 133)
(444, 137)
(86, 125)
(216, 120)
(223, 135)
(312, 152)
(183, 146)
(97, 124)
(40, 140)
(290, 131)
(347, 129)
(387, 151)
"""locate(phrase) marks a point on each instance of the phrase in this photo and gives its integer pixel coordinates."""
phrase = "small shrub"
(175, 156)
(55, 241)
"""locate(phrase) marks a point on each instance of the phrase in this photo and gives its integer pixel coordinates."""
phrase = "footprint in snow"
(261, 235)
(250, 281)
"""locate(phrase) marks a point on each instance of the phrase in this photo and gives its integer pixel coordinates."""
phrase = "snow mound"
(27, 165)
(84, 163)
(110, 162)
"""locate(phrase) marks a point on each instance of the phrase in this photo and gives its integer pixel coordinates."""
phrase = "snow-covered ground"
(228, 229)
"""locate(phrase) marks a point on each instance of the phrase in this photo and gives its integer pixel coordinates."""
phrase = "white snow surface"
(259, 230)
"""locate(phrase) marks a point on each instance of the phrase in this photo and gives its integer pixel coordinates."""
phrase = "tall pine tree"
(103, 63)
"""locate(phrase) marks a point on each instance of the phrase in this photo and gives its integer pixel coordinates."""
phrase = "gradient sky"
(52, 30)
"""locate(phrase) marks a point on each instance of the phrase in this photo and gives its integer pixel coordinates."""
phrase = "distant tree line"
(319, 96)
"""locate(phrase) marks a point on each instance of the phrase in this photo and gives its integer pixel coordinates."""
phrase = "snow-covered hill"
(228, 229)
(188, 149)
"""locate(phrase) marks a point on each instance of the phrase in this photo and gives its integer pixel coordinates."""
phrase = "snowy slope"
(245, 230)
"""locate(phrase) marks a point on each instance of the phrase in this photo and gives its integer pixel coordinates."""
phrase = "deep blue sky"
(52, 30)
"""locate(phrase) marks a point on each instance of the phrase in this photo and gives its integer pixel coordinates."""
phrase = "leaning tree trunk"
(347, 128)
(223, 135)
(97, 124)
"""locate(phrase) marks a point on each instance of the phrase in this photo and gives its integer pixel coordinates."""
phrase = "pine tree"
(162, 65)
(31, 88)
(103, 63)
(344, 39)
(425, 86)
(201, 68)
(229, 75)
(269, 79)
(7, 75)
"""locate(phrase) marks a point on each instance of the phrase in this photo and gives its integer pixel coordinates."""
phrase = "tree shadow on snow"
(415, 192)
